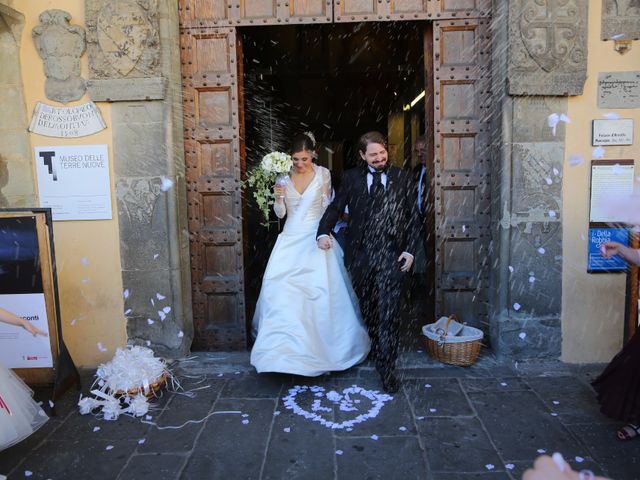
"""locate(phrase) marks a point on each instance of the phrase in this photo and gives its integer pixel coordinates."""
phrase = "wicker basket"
(462, 350)
(152, 390)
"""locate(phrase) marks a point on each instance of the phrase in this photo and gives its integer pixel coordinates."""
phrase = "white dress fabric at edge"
(20, 415)
(307, 318)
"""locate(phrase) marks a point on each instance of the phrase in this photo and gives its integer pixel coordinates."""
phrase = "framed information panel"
(28, 288)
(611, 181)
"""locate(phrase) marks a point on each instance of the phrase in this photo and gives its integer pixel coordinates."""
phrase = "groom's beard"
(378, 165)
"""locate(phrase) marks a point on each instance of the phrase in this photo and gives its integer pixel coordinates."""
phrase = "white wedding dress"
(307, 318)
(20, 415)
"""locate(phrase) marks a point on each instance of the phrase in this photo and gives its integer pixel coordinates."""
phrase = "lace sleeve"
(326, 188)
(280, 209)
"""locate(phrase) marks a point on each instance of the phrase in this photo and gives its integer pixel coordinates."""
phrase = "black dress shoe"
(390, 383)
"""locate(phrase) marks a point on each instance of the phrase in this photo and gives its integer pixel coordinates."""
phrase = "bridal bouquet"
(274, 166)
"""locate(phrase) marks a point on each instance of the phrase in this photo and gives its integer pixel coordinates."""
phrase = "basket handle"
(451, 318)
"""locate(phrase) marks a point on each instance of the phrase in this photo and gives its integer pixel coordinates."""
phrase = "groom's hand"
(408, 261)
(325, 242)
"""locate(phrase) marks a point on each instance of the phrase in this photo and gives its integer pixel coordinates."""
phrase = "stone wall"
(527, 209)
(17, 185)
(149, 167)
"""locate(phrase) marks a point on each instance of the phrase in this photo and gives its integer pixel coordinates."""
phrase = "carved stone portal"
(547, 47)
(123, 38)
(620, 20)
(60, 46)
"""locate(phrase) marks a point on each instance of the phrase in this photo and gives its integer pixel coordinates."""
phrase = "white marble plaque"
(66, 122)
(619, 90)
(612, 132)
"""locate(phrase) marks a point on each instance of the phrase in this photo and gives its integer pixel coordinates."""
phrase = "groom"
(383, 234)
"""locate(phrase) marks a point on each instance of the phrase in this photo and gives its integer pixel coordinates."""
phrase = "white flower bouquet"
(275, 166)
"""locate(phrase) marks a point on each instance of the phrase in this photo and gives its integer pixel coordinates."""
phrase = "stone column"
(148, 157)
(527, 210)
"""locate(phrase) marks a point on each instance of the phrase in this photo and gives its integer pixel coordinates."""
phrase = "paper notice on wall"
(18, 347)
(74, 181)
(611, 186)
(66, 122)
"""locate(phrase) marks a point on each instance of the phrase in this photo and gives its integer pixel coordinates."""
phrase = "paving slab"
(437, 397)
(458, 445)
(520, 425)
(232, 445)
(384, 458)
(153, 466)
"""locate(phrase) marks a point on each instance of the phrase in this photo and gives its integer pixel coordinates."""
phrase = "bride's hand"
(278, 190)
(325, 243)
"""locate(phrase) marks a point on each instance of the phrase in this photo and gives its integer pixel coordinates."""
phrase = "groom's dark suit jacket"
(400, 226)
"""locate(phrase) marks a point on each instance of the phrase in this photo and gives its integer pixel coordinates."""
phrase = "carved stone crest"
(620, 20)
(123, 38)
(547, 47)
(60, 46)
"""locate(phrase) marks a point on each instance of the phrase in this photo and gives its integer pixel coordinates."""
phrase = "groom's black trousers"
(379, 291)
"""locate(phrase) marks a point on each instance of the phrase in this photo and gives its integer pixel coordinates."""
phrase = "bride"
(307, 317)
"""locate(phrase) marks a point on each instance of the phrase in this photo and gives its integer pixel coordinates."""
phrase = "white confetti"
(503, 384)
(244, 415)
(166, 309)
(579, 459)
(517, 306)
(96, 429)
(611, 115)
(583, 237)
(552, 122)
(152, 302)
(148, 343)
(556, 172)
(150, 322)
(162, 315)
(555, 402)
(109, 447)
(541, 250)
(84, 261)
(220, 374)
(617, 169)
(554, 414)
(575, 160)
(541, 450)
(510, 466)
(180, 334)
(160, 297)
(101, 347)
(433, 410)
(427, 385)
(286, 429)
(522, 335)
(141, 441)
(374, 437)
(402, 429)
(156, 256)
(532, 279)
(246, 422)
(128, 311)
(166, 184)
(28, 473)
(339, 452)
(420, 418)
(549, 181)
(73, 322)
(552, 213)
(489, 466)
(511, 269)
(618, 36)
(598, 152)
(126, 293)
(148, 417)
(51, 404)
(276, 413)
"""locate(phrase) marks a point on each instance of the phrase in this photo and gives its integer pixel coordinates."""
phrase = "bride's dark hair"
(300, 142)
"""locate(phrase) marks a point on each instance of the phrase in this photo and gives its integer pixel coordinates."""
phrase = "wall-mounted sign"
(598, 237)
(74, 181)
(619, 90)
(65, 122)
(611, 183)
(612, 132)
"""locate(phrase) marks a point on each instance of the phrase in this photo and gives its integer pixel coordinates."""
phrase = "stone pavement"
(489, 421)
